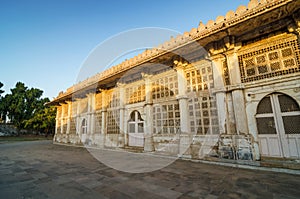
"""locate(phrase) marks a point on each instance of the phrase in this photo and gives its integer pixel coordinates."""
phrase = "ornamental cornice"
(232, 18)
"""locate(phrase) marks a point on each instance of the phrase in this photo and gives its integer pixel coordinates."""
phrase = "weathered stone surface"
(79, 175)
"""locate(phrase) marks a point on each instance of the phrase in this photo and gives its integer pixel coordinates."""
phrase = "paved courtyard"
(40, 169)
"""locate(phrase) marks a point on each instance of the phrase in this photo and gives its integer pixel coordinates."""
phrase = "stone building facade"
(236, 97)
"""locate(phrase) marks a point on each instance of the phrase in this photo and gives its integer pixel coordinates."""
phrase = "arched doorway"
(278, 125)
(136, 130)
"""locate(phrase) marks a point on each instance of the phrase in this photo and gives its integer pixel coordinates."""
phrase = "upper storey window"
(199, 77)
(135, 94)
(270, 58)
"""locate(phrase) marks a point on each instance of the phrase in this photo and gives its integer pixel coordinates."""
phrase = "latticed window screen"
(265, 118)
(165, 88)
(83, 105)
(265, 106)
(113, 118)
(291, 124)
(113, 113)
(64, 123)
(276, 58)
(135, 93)
(74, 107)
(65, 108)
(291, 114)
(199, 79)
(266, 125)
(113, 99)
(166, 118)
(72, 125)
(59, 109)
(98, 101)
(98, 122)
(203, 114)
(287, 104)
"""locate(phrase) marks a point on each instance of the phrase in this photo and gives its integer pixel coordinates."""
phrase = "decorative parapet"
(231, 18)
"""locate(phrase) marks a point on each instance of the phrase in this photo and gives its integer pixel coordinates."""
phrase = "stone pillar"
(88, 130)
(91, 113)
(185, 138)
(69, 104)
(217, 66)
(57, 119)
(78, 117)
(122, 112)
(62, 118)
(148, 146)
(237, 93)
(103, 122)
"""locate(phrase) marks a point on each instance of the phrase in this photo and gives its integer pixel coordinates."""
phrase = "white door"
(136, 130)
(278, 124)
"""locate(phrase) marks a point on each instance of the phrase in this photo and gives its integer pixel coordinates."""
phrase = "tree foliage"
(25, 108)
(1, 91)
(43, 120)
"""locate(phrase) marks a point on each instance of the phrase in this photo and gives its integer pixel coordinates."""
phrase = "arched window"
(136, 123)
(136, 130)
(275, 110)
(278, 125)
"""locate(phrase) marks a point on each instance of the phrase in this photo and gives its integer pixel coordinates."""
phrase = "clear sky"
(43, 43)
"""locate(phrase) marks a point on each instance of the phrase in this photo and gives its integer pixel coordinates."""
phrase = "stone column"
(103, 122)
(148, 146)
(237, 93)
(220, 90)
(69, 104)
(185, 137)
(122, 112)
(78, 117)
(91, 116)
(91, 113)
(88, 130)
(62, 118)
(57, 119)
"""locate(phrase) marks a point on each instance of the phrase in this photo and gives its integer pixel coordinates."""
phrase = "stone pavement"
(40, 169)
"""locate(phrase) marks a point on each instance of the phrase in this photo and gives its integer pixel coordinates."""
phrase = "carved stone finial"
(252, 4)
(210, 23)
(201, 26)
(220, 19)
(240, 10)
(229, 15)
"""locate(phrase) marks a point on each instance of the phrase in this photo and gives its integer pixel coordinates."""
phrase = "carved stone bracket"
(180, 63)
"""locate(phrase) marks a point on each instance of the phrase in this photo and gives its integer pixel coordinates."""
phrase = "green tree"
(22, 104)
(1, 91)
(4, 104)
(17, 104)
(43, 120)
(2, 114)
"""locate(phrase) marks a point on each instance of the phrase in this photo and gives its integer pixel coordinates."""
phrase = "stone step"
(288, 164)
(134, 149)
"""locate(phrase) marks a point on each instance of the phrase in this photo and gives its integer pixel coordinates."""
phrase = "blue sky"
(44, 43)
